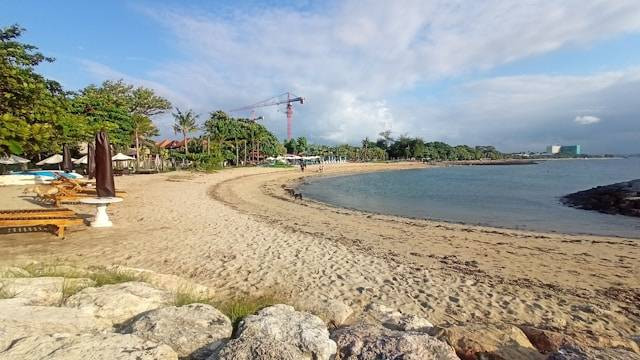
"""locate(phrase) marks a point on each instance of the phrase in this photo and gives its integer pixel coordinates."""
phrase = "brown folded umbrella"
(91, 161)
(67, 163)
(105, 185)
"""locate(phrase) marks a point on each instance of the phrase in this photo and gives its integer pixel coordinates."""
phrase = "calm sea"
(517, 197)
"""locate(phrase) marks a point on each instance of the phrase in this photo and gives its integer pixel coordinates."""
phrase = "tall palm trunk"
(137, 148)
(186, 146)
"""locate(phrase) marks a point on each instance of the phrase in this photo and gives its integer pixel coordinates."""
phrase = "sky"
(519, 75)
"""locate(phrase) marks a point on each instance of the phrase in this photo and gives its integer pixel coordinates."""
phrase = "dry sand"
(238, 231)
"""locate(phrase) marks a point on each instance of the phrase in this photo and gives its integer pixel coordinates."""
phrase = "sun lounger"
(59, 218)
(35, 213)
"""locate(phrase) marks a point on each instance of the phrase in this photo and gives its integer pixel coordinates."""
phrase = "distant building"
(553, 149)
(570, 149)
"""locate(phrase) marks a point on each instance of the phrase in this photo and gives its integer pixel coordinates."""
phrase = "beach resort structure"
(564, 149)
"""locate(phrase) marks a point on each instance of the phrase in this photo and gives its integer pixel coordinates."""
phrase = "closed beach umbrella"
(91, 161)
(67, 161)
(51, 160)
(105, 185)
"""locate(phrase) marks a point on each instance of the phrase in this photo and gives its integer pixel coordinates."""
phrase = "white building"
(553, 149)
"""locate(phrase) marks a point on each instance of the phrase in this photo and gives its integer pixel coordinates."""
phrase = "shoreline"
(296, 183)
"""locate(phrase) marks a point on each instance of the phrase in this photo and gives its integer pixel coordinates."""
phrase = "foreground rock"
(621, 198)
(334, 312)
(194, 331)
(576, 353)
(395, 320)
(546, 341)
(83, 347)
(12, 272)
(20, 321)
(167, 282)
(279, 328)
(362, 342)
(118, 303)
(45, 291)
(476, 342)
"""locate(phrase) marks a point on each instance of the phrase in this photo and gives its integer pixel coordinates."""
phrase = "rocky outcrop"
(46, 291)
(303, 332)
(118, 303)
(546, 341)
(193, 331)
(476, 342)
(361, 342)
(248, 348)
(171, 283)
(395, 320)
(20, 321)
(12, 272)
(83, 347)
(621, 198)
(577, 353)
(333, 311)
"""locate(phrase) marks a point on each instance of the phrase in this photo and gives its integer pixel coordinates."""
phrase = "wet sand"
(240, 232)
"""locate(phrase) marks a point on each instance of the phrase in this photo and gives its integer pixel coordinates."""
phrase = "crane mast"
(275, 101)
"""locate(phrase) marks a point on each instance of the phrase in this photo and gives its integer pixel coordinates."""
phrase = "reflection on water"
(521, 197)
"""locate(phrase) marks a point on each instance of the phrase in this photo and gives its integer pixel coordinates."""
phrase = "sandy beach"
(239, 232)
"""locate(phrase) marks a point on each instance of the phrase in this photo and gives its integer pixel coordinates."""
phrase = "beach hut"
(122, 163)
(122, 157)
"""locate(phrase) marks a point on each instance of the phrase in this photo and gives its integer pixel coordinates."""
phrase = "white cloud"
(352, 60)
(586, 120)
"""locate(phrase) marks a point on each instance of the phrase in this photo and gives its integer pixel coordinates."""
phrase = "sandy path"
(253, 238)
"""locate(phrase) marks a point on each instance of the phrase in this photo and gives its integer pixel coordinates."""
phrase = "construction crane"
(274, 101)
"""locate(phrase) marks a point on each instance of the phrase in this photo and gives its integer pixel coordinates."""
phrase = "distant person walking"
(302, 165)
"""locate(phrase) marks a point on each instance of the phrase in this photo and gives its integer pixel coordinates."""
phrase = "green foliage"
(230, 136)
(102, 276)
(38, 116)
(235, 308)
(185, 123)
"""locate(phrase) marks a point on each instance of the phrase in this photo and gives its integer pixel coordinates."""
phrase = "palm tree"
(185, 123)
(142, 128)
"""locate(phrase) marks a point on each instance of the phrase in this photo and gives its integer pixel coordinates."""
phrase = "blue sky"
(517, 75)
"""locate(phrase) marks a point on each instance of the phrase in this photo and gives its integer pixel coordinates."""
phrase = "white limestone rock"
(18, 321)
(303, 332)
(363, 341)
(120, 302)
(85, 347)
(193, 331)
(395, 320)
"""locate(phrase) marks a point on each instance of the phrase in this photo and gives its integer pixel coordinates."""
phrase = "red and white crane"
(285, 98)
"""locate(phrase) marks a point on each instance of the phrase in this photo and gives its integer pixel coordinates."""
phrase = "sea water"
(517, 196)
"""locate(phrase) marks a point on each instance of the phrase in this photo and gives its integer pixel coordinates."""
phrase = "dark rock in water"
(621, 198)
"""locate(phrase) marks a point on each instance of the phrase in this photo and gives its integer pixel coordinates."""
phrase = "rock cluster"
(40, 319)
(621, 198)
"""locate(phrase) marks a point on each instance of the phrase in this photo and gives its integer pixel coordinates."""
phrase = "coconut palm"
(185, 123)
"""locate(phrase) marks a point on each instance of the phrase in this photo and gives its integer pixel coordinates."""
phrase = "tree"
(185, 123)
(34, 109)
(123, 110)
(301, 144)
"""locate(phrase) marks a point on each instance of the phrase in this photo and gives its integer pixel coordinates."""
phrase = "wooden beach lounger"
(35, 213)
(60, 218)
